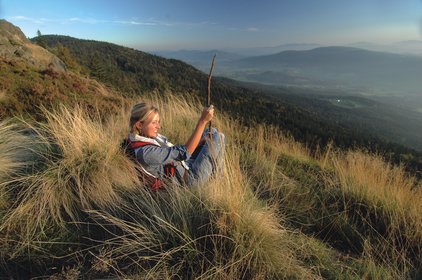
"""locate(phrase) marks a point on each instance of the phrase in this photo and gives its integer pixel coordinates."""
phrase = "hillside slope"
(32, 77)
(15, 46)
(135, 72)
(130, 71)
(72, 205)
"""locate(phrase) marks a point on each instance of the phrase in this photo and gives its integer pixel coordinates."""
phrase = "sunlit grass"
(369, 176)
(80, 166)
(259, 218)
(356, 200)
(390, 201)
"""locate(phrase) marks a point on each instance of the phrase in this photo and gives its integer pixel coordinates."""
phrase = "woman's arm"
(193, 141)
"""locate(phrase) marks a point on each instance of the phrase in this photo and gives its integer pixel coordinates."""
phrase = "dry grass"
(258, 242)
(233, 228)
(15, 151)
(83, 168)
(369, 176)
(260, 239)
(379, 204)
(390, 202)
(3, 96)
(12, 146)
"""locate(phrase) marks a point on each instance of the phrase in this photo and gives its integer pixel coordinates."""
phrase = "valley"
(317, 78)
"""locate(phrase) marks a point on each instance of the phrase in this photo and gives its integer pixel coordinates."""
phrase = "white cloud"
(20, 17)
(99, 21)
(244, 29)
(24, 18)
(82, 20)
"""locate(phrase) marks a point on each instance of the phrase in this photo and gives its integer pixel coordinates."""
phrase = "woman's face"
(150, 127)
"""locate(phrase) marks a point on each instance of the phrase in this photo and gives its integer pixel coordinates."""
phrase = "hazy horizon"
(204, 25)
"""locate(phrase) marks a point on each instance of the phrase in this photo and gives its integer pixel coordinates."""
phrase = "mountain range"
(388, 77)
(413, 47)
(344, 77)
(351, 67)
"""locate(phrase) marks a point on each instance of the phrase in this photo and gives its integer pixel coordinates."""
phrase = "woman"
(189, 164)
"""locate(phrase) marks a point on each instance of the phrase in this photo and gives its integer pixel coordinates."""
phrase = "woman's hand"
(207, 114)
(195, 138)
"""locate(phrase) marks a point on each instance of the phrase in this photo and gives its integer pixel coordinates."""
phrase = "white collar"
(136, 138)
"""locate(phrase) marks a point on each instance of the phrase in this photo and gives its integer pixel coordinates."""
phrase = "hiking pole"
(209, 91)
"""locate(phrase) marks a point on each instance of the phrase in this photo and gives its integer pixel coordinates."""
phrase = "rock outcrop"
(15, 46)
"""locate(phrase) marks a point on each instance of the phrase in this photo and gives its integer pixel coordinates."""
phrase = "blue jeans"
(206, 159)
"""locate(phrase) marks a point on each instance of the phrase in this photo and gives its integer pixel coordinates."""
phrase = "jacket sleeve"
(151, 155)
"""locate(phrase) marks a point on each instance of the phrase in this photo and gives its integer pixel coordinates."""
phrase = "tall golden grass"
(13, 157)
(351, 197)
(388, 226)
(80, 166)
(371, 177)
(68, 182)
(392, 203)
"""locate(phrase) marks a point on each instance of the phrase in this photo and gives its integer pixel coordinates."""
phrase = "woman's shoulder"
(161, 138)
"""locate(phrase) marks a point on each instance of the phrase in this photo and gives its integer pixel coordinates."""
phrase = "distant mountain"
(409, 46)
(202, 59)
(403, 47)
(345, 68)
(272, 50)
(349, 66)
(199, 56)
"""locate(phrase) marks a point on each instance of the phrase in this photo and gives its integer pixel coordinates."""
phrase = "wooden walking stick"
(209, 90)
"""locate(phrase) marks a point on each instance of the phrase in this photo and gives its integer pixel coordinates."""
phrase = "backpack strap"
(138, 144)
(149, 179)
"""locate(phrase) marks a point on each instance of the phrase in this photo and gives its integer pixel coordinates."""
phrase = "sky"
(219, 24)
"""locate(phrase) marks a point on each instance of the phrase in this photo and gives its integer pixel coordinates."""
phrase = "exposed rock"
(15, 46)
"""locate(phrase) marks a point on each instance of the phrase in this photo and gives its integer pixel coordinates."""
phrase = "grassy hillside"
(24, 89)
(133, 72)
(71, 204)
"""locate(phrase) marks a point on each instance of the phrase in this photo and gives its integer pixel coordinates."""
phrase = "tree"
(40, 40)
(64, 54)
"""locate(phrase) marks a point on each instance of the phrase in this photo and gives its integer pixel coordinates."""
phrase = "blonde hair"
(140, 112)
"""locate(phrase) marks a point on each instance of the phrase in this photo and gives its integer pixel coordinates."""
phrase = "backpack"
(153, 182)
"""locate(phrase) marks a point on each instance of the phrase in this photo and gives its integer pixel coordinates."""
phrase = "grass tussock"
(273, 212)
(356, 201)
(387, 201)
(14, 156)
(12, 146)
(79, 166)
(371, 177)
